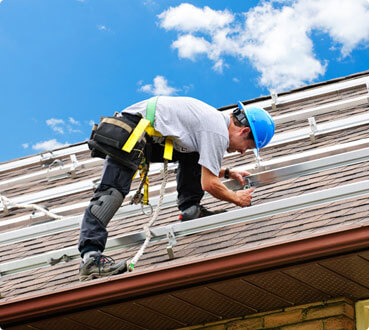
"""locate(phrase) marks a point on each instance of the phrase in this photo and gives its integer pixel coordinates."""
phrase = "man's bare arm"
(216, 188)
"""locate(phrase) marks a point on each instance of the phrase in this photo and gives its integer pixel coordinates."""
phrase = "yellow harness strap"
(168, 148)
(135, 135)
(144, 125)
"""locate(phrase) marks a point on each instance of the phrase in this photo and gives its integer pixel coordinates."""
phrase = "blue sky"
(65, 63)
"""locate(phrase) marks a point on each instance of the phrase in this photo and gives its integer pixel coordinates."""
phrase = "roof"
(304, 239)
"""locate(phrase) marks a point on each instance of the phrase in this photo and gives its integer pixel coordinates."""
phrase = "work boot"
(197, 211)
(97, 265)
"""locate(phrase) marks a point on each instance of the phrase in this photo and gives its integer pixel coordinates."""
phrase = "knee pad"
(105, 203)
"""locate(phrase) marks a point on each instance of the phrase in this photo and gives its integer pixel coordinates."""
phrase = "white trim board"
(282, 138)
(304, 201)
(69, 169)
(286, 168)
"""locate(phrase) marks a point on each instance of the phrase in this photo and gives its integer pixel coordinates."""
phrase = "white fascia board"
(38, 158)
(326, 108)
(69, 189)
(307, 156)
(302, 164)
(60, 170)
(323, 128)
(294, 203)
(74, 222)
(315, 91)
(242, 215)
(317, 110)
(35, 215)
(47, 194)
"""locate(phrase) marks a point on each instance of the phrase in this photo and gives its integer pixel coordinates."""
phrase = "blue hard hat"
(261, 124)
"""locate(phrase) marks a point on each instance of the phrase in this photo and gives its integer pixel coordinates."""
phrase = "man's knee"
(105, 204)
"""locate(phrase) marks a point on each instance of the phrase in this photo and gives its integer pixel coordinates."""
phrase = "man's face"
(241, 141)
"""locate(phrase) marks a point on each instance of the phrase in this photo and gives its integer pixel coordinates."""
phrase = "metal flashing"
(282, 138)
(321, 129)
(304, 201)
(309, 92)
(61, 171)
(322, 109)
(66, 151)
(298, 164)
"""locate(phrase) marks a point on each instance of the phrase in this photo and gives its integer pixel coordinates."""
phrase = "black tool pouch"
(111, 134)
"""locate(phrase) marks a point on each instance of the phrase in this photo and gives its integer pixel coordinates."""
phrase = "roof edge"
(298, 89)
(134, 285)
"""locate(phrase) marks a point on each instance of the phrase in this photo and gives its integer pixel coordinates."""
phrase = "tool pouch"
(110, 135)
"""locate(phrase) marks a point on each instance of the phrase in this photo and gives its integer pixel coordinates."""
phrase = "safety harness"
(124, 137)
(147, 125)
(125, 141)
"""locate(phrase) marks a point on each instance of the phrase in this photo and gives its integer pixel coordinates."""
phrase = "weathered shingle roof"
(249, 236)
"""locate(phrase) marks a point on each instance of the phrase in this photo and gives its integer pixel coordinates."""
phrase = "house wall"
(337, 314)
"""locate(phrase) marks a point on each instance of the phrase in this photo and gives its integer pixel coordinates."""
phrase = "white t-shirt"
(193, 125)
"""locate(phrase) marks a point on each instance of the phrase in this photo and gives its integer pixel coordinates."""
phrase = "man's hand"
(216, 188)
(239, 176)
(244, 197)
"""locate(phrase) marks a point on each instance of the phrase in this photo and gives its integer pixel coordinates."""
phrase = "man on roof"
(200, 135)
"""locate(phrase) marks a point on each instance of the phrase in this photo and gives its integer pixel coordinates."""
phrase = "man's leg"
(108, 197)
(188, 175)
(188, 180)
(189, 187)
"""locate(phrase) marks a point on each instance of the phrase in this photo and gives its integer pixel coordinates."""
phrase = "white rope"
(131, 263)
(9, 203)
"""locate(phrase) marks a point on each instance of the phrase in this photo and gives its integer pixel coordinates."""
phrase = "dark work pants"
(93, 234)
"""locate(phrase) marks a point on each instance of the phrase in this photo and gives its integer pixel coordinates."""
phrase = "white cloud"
(159, 87)
(56, 125)
(102, 27)
(346, 21)
(73, 121)
(24, 145)
(60, 126)
(274, 36)
(48, 145)
(189, 46)
(280, 49)
(188, 18)
(149, 3)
